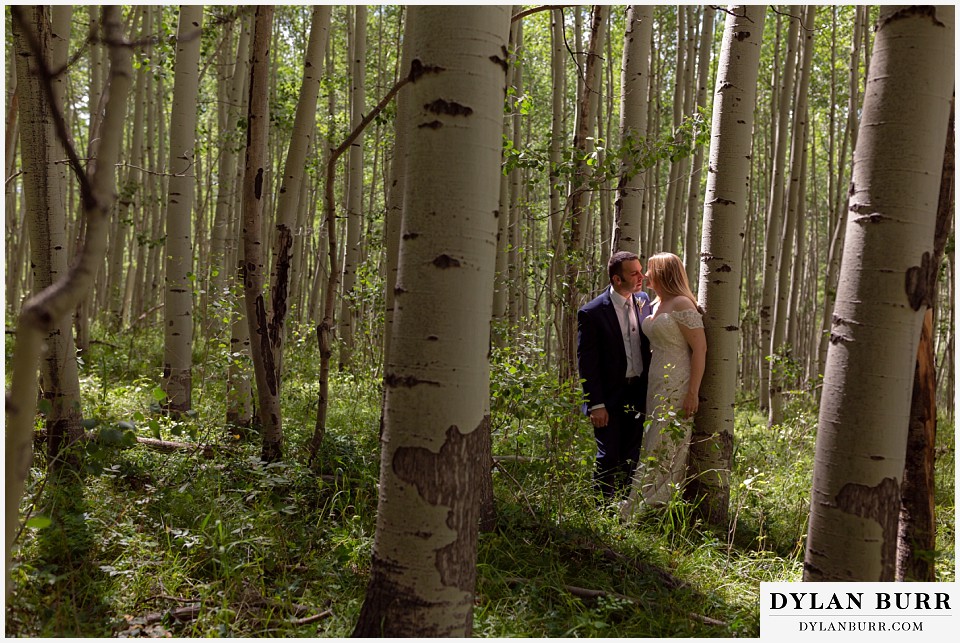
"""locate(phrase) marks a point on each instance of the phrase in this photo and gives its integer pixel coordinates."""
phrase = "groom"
(614, 356)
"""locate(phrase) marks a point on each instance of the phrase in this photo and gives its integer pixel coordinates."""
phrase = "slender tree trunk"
(578, 193)
(778, 351)
(918, 527)
(691, 245)
(837, 236)
(178, 293)
(775, 211)
(633, 128)
(423, 572)
(725, 211)
(884, 284)
(253, 187)
(43, 186)
(40, 314)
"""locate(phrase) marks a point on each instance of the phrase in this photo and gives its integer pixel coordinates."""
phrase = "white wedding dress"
(666, 441)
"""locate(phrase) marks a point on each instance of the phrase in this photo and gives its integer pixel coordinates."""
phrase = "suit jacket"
(601, 357)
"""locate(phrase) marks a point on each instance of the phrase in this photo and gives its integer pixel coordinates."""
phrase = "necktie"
(633, 323)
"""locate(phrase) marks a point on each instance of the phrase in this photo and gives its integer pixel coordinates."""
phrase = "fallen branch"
(314, 618)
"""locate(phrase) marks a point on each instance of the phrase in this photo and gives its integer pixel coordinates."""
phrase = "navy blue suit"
(602, 362)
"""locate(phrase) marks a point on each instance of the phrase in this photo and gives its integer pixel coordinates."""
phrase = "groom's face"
(630, 278)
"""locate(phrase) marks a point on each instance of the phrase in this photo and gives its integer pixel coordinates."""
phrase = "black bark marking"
(920, 283)
(724, 268)
(446, 261)
(836, 338)
(266, 350)
(394, 381)
(433, 338)
(431, 125)
(258, 184)
(731, 328)
(924, 11)
(500, 61)
(418, 69)
(410, 235)
(450, 108)
(284, 261)
(882, 505)
(741, 35)
(721, 201)
(450, 478)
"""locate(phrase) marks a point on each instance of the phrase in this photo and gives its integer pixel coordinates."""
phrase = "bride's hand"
(691, 402)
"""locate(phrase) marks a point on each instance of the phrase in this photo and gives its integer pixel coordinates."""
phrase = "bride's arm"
(692, 331)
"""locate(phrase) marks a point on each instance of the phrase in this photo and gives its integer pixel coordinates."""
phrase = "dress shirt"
(630, 328)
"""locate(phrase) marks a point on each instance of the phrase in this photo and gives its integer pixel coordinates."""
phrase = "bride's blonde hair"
(671, 277)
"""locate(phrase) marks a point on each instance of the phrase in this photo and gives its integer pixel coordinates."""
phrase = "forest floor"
(212, 542)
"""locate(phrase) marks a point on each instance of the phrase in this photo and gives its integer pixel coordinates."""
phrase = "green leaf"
(39, 522)
(159, 394)
(44, 406)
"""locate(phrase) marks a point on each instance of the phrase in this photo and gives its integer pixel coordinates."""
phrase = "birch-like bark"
(44, 187)
(865, 407)
(351, 257)
(783, 283)
(775, 209)
(179, 278)
(691, 244)
(634, 81)
(837, 236)
(725, 211)
(254, 187)
(423, 573)
(579, 197)
(41, 313)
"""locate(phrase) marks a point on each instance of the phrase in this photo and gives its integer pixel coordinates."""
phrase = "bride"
(675, 331)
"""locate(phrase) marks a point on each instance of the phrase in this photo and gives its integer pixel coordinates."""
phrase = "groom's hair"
(616, 260)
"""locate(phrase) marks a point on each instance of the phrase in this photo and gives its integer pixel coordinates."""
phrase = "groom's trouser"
(618, 443)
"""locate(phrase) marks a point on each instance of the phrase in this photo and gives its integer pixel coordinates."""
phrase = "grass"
(148, 543)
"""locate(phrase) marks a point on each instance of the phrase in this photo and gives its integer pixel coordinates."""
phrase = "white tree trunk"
(40, 313)
(633, 127)
(793, 211)
(351, 257)
(865, 407)
(43, 189)
(178, 291)
(423, 574)
(775, 209)
(724, 215)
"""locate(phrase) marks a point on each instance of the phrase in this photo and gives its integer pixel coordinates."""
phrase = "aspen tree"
(786, 253)
(633, 127)
(355, 186)
(725, 210)
(423, 573)
(917, 535)
(691, 244)
(579, 198)
(43, 187)
(774, 229)
(40, 314)
(253, 188)
(883, 286)
(179, 275)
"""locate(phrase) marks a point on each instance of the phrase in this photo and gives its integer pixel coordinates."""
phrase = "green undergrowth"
(214, 542)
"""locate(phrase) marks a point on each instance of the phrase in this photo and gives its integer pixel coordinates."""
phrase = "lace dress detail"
(666, 441)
